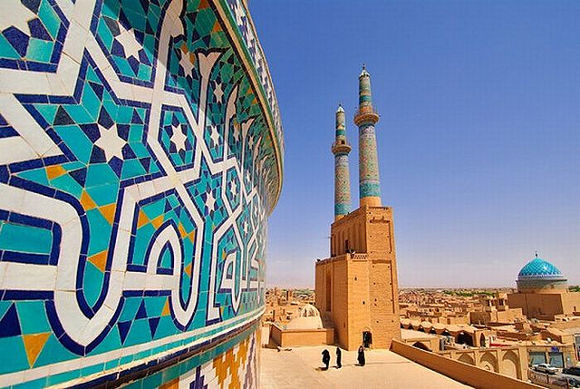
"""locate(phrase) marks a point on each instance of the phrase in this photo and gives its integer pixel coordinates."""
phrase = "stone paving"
(301, 368)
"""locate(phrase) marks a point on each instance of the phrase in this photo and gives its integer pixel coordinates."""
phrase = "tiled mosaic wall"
(140, 155)
(236, 366)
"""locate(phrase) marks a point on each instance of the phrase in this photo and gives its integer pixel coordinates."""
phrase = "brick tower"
(356, 287)
(341, 149)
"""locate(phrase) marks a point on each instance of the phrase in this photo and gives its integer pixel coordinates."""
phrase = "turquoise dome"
(540, 269)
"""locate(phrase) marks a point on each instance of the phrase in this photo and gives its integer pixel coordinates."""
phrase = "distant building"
(308, 318)
(543, 292)
(356, 287)
(496, 311)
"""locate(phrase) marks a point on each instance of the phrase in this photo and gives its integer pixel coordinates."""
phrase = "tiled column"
(340, 149)
(365, 119)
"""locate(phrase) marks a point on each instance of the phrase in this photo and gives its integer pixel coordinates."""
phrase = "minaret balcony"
(366, 114)
(341, 147)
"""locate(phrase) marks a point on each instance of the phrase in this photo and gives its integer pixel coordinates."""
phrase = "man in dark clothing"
(361, 356)
(325, 358)
(338, 358)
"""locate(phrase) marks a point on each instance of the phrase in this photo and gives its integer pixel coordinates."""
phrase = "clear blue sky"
(479, 137)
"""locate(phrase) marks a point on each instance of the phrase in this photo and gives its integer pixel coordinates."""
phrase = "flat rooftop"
(301, 368)
(412, 334)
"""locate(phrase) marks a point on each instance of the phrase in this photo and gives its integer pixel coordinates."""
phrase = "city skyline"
(477, 139)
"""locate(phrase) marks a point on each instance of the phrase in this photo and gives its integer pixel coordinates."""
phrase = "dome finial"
(536, 253)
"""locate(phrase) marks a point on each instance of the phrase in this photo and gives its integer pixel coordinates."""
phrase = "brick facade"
(544, 305)
(356, 288)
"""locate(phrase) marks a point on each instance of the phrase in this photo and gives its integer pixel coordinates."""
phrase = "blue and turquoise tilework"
(141, 154)
(366, 118)
(33, 40)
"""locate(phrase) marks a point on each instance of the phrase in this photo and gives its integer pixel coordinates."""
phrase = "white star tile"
(127, 39)
(110, 142)
(178, 137)
(215, 135)
(233, 188)
(210, 201)
(186, 63)
(14, 13)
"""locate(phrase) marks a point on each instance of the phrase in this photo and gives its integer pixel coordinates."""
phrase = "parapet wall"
(459, 371)
(509, 361)
(290, 338)
(140, 156)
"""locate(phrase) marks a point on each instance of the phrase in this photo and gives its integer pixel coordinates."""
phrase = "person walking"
(338, 358)
(361, 356)
(325, 358)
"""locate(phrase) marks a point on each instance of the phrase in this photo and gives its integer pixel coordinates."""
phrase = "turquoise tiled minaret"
(365, 118)
(340, 149)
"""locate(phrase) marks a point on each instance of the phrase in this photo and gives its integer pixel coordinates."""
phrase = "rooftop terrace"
(300, 368)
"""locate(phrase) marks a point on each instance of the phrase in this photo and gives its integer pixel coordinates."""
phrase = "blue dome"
(539, 268)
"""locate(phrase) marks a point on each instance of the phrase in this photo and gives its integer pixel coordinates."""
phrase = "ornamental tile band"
(141, 156)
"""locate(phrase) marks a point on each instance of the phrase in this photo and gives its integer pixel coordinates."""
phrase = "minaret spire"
(365, 118)
(340, 149)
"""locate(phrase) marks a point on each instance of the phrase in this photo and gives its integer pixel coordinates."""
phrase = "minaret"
(365, 118)
(340, 149)
(356, 286)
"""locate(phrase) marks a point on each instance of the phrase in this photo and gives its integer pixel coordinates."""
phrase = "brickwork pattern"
(362, 287)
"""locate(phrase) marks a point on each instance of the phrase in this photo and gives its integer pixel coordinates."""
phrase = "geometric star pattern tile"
(31, 34)
(142, 154)
(128, 33)
(177, 138)
(248, 35)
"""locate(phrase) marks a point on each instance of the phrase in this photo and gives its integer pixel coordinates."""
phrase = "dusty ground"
(300, 368)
